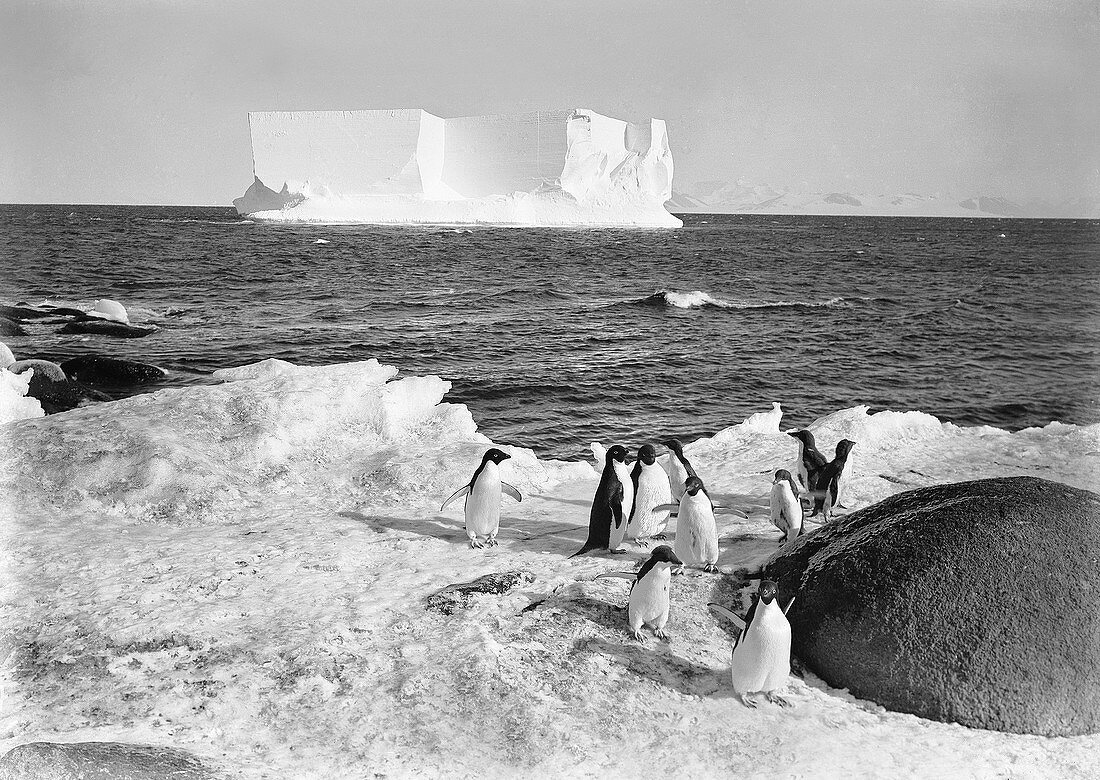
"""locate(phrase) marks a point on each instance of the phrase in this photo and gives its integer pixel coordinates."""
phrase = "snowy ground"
(241, 571)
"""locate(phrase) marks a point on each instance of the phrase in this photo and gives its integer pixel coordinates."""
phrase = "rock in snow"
(458, 596)
(975, 602)
(100, 761)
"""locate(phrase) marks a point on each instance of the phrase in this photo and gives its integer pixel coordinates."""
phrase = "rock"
(107, 328)
(24, 312)
(976, 602)
(116, 372)
(51, 387)
(11, 328)
(458, 596)
(101, 761)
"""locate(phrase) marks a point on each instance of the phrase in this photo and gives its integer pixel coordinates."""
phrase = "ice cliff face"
(572, 167)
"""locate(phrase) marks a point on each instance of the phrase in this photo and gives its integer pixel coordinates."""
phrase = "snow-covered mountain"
(721, 197)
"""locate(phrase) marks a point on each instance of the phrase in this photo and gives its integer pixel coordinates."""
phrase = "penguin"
(611, 505)
(786, 509)
(809, 461)
(679, 467)
(651, 490)
(761, 660)
(827, 489)
(846, 472)
(648, 603)
(696, 531)
(483, 499)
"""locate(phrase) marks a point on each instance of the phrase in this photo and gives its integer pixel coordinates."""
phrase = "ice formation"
(566, 167)
(241, 570)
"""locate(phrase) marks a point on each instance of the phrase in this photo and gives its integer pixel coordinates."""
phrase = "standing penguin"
(696, 532)
(483, 499)
(649, 593)
(762, 652)
(679, 467)
(844, 447)
(651, 490)
(786, 509)
(809, 461)
(611, 505)
(827, 490)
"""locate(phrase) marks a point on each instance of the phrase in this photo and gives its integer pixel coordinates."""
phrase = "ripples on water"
(555, 338)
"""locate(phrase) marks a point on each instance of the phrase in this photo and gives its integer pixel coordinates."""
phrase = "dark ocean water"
(556, 338)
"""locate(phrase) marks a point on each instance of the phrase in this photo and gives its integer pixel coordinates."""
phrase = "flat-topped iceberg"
(565, 167)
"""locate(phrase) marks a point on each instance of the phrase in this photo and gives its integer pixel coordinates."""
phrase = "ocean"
(557, 338)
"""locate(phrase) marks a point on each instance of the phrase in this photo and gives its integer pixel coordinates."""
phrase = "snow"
(241, 570)
(14, 402)
(545, 168)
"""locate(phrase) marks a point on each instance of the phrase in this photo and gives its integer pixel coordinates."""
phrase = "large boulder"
(112, 372)
(976, 602)
(101, 761)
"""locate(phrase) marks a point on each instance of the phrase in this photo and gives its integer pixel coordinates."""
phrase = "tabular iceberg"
(566, 167)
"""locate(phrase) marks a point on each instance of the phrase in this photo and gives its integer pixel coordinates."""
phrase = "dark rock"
(101, 761)
(23, 312)
(52, 388)
(976, 602)
(11, 328)
(116, 372)
(458, 596)
(107, 328)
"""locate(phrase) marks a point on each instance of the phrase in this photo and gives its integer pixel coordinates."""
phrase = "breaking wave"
(697, 299)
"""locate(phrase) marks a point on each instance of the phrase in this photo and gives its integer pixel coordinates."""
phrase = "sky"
(128, 101)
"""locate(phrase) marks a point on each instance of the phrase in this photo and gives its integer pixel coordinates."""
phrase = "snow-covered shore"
(241, 570)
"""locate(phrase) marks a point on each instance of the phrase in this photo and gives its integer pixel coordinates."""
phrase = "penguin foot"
(618, 551)
(748, 701)
(642, 543)
(659, 537)
(637, 634)
(474, 543)
(660, 633)
(491, 542)
(775, 698)
(710, 567)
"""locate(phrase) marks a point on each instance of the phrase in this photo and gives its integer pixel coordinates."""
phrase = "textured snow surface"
(567, 167)
(241, 570)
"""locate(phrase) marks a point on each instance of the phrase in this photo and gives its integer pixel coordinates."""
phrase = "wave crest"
(697, 299)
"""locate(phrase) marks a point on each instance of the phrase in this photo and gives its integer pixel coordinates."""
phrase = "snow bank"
(546, 168)
(15, 404)
(319, 434)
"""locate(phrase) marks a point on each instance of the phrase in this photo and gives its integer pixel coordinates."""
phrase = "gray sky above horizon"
(146, 102)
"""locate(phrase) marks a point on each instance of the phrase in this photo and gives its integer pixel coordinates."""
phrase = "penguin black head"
(843, 447)
(617, 452)
(781, 475)
(674, 445)
(664, 553)
(692, 485)
(805, 437)
(767, 591)
(495, 455)
(647, 454)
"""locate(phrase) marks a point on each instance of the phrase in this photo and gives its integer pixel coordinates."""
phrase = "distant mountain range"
(720, 197)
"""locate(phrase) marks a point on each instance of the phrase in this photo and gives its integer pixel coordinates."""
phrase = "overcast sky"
(146, 102)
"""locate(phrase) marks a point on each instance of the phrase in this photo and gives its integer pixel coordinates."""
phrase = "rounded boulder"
(975, 602)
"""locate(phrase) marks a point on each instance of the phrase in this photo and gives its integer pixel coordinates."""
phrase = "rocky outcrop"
(458, 596)
(976, 602)
(101, 761)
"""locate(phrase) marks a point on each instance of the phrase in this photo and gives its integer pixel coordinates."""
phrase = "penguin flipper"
(667, 508)
(787, 608)
(457, 494)
(718, 609)
(506, 488)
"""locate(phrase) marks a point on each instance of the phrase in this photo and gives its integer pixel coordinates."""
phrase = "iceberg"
(570, 167)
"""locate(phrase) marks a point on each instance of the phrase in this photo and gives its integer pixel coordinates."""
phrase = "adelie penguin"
(611, 505)
(696, 530)
(651, 491)
(483, 499)
(809, 461)
(786, 509)
(826, 492)
(761, 661)
(648, 603)
(679, 467)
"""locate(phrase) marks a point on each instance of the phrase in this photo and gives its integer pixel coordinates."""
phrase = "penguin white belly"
(653, 490)
(696, 532)
(786, 510)
(483, 502)
(762, 659)
(622, 471)
(649, 599)
(677, 475)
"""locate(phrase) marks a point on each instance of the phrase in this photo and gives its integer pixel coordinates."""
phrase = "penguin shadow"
(656, 661)
(436, 527)
(586, 503)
